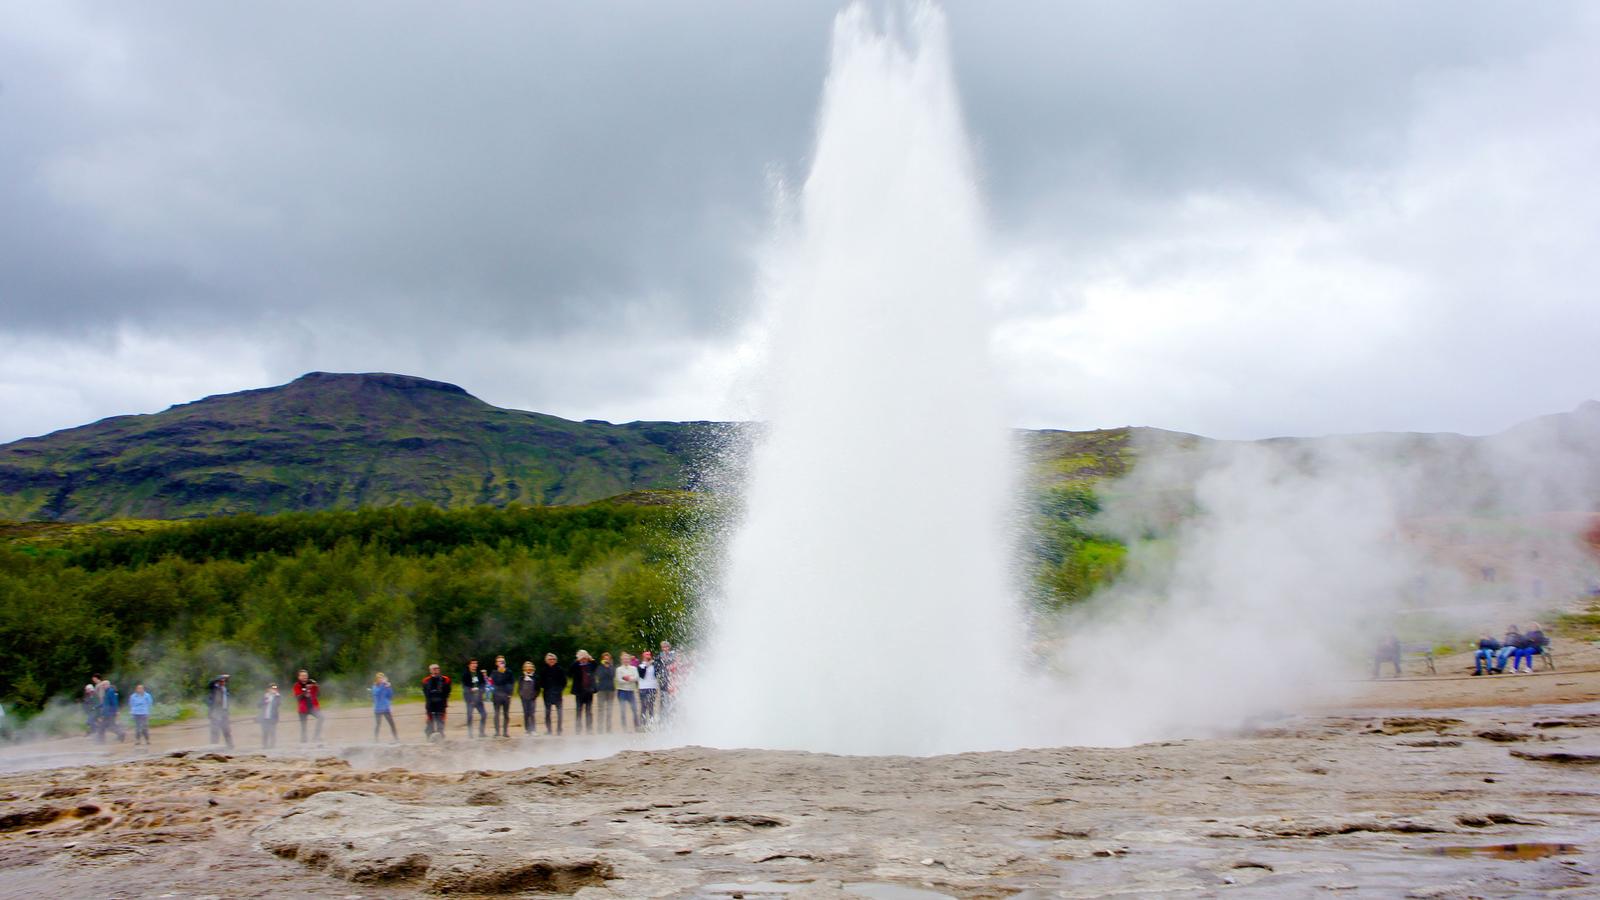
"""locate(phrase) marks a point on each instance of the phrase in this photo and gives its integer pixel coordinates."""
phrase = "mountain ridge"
(345, 440)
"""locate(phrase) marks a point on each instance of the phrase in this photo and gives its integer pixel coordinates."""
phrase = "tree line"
(340, 593)
(345, 593)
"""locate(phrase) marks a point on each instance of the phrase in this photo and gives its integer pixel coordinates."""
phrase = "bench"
(1407, 651)
(1548, 654)
(1423, 650)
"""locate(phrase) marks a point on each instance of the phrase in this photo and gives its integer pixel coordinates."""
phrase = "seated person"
(1533, 643)
(1508, 646)
(1484, 656)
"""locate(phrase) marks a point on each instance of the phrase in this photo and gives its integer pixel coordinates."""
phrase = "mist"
(1261, 576)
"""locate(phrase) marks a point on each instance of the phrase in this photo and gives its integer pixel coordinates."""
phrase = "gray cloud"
(557, 205)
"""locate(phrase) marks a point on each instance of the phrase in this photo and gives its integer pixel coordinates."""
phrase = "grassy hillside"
(329, 441)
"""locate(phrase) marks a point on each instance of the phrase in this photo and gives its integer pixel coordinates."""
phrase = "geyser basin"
(865, 603)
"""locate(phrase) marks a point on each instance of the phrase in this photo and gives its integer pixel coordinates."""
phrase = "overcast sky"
(1223, 218)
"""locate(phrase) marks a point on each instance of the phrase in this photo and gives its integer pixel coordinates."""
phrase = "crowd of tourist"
(628, 693)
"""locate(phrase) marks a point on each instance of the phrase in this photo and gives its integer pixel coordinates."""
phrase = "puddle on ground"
(1509, 851)
(883, 890)
(749, 889)
(873, 890)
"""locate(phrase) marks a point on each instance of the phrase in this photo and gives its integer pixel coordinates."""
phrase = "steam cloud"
(1260, 575)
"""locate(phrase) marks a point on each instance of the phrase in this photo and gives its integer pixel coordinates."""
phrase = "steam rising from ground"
(1262, 575)
(864, 602)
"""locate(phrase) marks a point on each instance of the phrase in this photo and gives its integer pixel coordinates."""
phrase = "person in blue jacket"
(139, 704)
(382, 706)
(110, 700)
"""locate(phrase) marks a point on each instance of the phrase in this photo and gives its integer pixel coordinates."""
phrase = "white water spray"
(865, 604)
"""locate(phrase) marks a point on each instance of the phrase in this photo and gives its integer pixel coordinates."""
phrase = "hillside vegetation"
(327, 441)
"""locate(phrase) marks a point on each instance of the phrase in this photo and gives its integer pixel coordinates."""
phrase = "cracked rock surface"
(1379, 805)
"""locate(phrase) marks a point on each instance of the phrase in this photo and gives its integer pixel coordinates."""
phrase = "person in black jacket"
(552, 681)
(583, 688)
(435, 700)
(605, 688)
(217, 703)
(528, 693)
(1484, 657)
(504, 682)
(475, 688)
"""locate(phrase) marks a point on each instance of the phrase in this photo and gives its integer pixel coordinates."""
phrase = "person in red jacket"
(308, 696)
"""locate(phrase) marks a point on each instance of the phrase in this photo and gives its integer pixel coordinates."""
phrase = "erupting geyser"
(865, 603)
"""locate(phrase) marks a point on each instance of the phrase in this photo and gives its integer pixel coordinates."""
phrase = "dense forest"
(345, 593)
(341, 593)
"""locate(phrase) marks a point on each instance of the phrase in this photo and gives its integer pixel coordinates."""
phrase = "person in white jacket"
(628, 691)
(649, 686)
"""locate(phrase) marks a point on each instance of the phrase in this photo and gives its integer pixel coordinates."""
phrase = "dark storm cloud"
(540, 165)
(455, 190)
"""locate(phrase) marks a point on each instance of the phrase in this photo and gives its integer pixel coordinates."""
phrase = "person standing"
(649, 686)
(605, 688)
(666, 671)
(139, 704)
(435, 701)
(552, 682)
(308, 702)
(271, 701)
(91, 706)
(110, 700)
(382, 707)
(628, 692)
(475, 688)
(528, 693)
(582, 673)
(1387, 651)
(100, 686)
(504, 682)
(217, 701)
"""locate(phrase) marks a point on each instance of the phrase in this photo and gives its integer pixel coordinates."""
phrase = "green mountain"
(331, 441)
(328, 442)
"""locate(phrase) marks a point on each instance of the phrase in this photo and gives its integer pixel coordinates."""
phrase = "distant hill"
(334, 441)
(330, 441)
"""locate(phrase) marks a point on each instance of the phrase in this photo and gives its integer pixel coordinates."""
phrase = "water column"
(864, 603)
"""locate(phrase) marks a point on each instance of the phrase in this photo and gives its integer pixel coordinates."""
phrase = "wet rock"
(1568, 759)
(1501, 736)
(1408, 724)
(1583, 721)
(1314, 826)
(559, 871)
(1488, 820)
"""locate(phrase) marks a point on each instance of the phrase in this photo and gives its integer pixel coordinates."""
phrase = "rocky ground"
(1486, 803)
